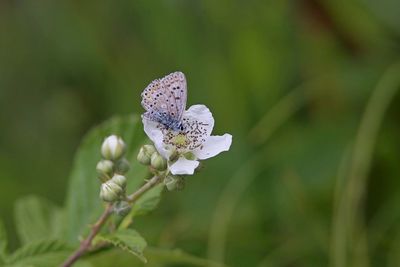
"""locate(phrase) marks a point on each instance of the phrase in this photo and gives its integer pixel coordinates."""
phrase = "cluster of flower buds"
(149, 156)
(111, 169)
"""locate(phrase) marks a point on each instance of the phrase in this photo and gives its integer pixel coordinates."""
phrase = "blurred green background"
(312, 178)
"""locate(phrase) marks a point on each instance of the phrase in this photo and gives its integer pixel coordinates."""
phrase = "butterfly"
(165, 100)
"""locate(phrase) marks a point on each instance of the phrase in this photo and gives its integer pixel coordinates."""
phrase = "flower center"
(192, 135)
(179, 140)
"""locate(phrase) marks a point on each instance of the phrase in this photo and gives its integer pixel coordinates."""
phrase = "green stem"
(85, 244)
(149, 184)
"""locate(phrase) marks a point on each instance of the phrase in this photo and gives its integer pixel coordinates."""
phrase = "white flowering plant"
(136, 159)
(184, 148)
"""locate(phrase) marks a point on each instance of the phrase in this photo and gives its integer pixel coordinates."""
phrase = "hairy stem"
(149, 184)
(85, 244)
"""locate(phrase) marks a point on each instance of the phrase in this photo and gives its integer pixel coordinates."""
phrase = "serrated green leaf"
(39, 253)
(37, 219)
(128, 240)
(83, 203)
(3, 242)
(44, 253)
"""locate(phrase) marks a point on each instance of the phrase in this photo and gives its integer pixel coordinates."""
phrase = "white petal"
(156, 135)
(183, 166)
(213, 146)
(113, 147)
(112, 142)
(198, 122)
(202, 114)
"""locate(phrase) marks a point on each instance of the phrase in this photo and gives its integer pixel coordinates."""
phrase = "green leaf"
(3, 242)
(44, 253)
(37, 219)
(146, 203)
(83, 203)
(128, 240)
(40, 253)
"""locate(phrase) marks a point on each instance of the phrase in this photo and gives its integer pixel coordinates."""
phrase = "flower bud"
(158, 162)
(145, 154)
(110, 191)
(173, 182)
(119, 180)
(122, 166)
(122, 208)
(113, 148)
(105, 167)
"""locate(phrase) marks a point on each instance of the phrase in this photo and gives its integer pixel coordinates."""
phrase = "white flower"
(194, 141)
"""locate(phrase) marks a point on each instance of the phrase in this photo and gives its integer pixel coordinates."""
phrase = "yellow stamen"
(179, 140)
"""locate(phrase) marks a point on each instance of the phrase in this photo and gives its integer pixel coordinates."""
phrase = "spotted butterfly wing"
(165, 100)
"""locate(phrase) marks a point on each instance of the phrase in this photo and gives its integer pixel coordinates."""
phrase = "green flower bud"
(122, 166)
(122, 208)
(158, 162)
(145, 154)
(119, 180)
(113, 148)
(174, 183)
(110, 191)
(105, 167)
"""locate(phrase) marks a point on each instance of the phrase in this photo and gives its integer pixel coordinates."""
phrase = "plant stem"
(149, 184)
(85, 244)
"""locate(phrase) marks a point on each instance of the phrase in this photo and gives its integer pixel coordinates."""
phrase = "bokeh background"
(307, 88)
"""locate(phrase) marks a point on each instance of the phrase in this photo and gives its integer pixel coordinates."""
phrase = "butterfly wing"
(175, 94)
(165, 99)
